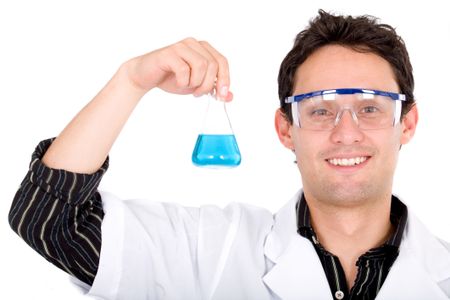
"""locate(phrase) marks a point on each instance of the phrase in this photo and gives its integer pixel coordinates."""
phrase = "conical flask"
(216, 145)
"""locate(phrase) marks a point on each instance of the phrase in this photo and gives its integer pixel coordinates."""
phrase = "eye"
(321, 112)
(370, 110)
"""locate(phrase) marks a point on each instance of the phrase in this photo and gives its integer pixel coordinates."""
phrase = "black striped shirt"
(373, 266)
(59, 214)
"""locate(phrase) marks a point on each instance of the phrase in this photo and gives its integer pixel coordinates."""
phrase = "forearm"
(84, 144)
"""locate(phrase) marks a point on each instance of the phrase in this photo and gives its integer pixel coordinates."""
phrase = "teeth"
(347, 161)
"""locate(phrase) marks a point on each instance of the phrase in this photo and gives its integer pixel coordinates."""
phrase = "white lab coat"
(166, 251)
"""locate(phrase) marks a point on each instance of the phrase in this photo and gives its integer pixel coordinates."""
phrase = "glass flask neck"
(216, 120)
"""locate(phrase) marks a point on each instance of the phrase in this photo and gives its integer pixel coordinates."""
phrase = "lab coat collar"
(297, 273)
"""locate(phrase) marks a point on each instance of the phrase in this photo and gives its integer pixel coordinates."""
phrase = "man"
(347, 107)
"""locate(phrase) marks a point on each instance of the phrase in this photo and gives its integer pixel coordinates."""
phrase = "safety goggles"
(370, 109)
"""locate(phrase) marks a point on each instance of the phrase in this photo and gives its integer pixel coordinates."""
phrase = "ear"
(283, 128)
(409, 124)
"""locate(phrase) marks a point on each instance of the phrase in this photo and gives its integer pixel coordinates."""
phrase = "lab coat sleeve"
(150, 249)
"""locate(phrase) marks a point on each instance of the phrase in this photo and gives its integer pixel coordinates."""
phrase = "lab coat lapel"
(297, 272)
(407, 279)
(422, 263)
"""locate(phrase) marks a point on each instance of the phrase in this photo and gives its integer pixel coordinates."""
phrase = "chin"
(347, 194)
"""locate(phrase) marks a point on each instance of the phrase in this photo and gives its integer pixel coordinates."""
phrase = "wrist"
(126, 78)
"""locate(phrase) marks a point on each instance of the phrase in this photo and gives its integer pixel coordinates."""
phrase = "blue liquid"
(216, 150)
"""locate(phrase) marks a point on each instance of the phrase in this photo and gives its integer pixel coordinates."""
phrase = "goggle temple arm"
(295, 117)
(398, 112)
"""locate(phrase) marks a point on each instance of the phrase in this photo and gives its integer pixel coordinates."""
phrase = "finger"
(223, 73)
(181, 69)
(209, 80)
(229, 97)
(198, 63)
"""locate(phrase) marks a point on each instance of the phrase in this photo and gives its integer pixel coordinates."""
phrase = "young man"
(347, 107)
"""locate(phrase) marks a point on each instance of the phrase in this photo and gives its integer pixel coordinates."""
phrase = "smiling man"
(347, 107)
(346, 134)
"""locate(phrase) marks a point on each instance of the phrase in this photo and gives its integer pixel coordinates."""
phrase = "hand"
(187, 67)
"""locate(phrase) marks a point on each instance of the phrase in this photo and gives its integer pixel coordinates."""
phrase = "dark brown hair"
(362, 34)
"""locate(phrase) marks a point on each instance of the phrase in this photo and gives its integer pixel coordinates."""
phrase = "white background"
(56, 55)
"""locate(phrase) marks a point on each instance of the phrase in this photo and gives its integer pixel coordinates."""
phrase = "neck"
(349, 232)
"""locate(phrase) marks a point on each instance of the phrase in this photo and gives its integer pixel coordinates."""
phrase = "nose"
(346, 131)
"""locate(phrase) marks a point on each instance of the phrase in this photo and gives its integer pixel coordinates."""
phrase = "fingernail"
(224, 91)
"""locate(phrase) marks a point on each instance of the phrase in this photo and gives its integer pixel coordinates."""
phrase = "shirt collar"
(399, 217)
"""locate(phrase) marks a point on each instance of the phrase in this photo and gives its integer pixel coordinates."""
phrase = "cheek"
(307, 150)
(388, 146)
(393, 140)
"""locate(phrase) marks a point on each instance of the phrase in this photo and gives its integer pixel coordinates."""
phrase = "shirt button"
(339, 295)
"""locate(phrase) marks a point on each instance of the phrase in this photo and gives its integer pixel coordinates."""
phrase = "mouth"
(348, 161)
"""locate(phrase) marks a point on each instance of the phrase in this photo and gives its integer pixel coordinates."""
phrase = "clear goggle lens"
(323, 110)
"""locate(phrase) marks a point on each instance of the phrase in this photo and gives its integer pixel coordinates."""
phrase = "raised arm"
(186, 67)
(57, 209)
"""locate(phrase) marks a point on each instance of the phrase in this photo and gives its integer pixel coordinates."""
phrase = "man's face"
(318, 152)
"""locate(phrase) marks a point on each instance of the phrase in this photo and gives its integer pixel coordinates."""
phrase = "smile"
(347, 162)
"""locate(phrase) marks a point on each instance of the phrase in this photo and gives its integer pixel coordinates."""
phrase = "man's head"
(346, 165)
(362, 34)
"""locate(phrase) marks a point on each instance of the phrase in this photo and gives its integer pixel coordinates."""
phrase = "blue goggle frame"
(345, 91)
